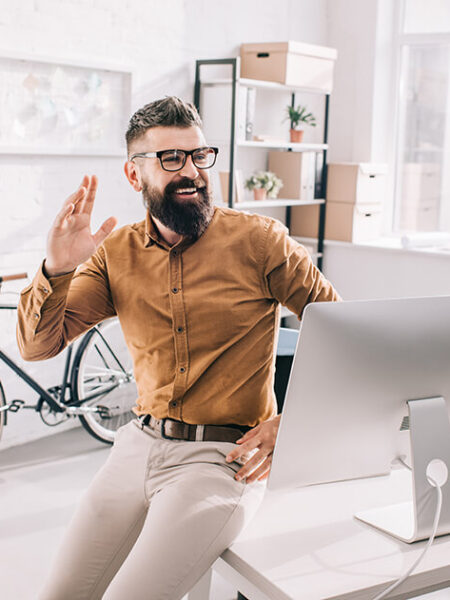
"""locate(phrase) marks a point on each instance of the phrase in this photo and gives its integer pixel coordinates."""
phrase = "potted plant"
(264, 183)
(299, 115)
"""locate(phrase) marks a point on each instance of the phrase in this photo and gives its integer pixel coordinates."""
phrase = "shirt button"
(174, 252)
(182, 369)
(175, 290)
(179, 329)
(173, 404)
(45, 290)
(36, 316)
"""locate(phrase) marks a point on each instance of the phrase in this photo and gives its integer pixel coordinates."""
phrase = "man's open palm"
(70, 241)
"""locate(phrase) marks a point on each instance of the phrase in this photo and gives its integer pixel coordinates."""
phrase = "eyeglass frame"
(187, 153)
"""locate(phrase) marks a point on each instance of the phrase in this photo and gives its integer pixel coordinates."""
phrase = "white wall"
(159, 40)
(365, 272)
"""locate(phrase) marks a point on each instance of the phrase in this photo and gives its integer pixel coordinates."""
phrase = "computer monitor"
(367, 376)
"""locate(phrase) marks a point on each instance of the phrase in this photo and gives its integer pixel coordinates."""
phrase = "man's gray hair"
(167, 112)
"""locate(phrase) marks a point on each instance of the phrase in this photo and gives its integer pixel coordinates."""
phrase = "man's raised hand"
(70, 241)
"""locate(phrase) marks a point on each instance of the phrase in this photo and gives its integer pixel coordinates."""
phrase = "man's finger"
(103, 232)
(69, 206)
(251, 444)
(90, 196)
(85, 184)
(251, 465)
(262, 472)
(63, 214)
(247, 436)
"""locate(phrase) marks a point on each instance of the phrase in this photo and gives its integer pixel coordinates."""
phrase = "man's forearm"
(41, 332)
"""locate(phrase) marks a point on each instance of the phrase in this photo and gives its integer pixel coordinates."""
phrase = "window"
(422, 199)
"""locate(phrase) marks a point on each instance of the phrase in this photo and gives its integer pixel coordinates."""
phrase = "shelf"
(268, 85)
(288, 145)
(271, 203)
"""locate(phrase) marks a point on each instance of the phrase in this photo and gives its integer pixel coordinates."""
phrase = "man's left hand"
(262, 437)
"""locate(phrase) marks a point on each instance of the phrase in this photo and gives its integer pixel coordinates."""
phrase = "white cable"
(437, 516)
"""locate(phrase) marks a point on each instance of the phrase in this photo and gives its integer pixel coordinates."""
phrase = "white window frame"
(403, 40)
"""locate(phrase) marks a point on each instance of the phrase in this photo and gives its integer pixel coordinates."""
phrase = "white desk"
(306, 545)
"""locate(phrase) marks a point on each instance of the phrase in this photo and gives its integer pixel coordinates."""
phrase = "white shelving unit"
(233, 144)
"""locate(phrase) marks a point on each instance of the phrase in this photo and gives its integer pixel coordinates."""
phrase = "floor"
(40, 485)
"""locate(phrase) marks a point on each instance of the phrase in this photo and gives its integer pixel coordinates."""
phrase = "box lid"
(291, 46)
(365, 168)
(373, 168)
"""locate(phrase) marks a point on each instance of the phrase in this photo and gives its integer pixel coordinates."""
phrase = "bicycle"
(98, 385)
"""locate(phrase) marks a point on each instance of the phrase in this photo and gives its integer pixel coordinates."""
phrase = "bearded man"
(197, 289)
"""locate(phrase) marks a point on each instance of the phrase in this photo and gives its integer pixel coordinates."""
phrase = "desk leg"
(202, 589)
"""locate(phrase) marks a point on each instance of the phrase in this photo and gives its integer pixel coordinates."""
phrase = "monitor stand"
(430, 441)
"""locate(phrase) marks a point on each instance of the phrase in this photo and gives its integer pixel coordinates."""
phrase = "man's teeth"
(186, 191)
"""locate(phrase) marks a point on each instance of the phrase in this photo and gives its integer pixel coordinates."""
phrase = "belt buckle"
(163, 431)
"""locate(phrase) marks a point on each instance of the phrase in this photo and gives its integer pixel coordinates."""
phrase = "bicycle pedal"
(103, 411)
(16, 405)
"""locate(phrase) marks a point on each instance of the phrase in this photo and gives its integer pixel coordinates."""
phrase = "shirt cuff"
(44, 286)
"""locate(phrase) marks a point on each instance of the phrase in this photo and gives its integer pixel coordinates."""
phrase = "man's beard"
(185, 217)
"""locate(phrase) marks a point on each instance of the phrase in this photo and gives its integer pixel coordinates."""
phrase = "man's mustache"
(185, 183)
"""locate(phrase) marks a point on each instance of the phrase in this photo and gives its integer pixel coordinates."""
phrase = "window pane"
(423, 185)
(427, 16)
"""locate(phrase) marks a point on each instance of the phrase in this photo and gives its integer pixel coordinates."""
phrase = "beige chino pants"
(154, 519)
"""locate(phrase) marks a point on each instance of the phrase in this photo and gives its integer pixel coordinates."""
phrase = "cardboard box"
(297, 172)
(292, 63)
(350, 222)
(346, 222)
(356, 183)
(305, 221)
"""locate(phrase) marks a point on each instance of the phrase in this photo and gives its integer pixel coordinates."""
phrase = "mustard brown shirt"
(200, 318)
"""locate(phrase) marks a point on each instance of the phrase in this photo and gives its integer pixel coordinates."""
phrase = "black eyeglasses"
(174, 160)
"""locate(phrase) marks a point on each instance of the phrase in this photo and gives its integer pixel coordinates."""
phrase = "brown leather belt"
(177, 430)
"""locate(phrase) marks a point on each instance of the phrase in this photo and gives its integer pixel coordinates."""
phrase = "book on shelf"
(245, 113)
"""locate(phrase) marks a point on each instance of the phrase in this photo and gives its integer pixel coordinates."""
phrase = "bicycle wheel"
(102, 376)
(2, 409)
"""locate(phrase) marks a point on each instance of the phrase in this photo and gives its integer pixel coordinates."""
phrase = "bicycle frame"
(43, 393)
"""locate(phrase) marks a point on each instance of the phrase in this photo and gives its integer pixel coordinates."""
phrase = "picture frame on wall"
(62, 107)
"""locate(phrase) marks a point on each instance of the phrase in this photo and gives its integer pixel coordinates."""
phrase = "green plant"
(265, 180)
(298, 115)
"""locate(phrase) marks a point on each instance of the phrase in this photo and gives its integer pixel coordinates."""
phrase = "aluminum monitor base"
(430, 440)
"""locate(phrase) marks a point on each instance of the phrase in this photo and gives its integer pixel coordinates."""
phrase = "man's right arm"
(53, 311)
(59, 305)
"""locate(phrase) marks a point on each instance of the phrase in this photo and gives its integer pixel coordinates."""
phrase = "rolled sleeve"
(289, 273)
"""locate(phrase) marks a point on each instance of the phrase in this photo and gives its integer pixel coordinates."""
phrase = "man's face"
(179, 199)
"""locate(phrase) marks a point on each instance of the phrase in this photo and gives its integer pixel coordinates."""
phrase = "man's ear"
(133, 175)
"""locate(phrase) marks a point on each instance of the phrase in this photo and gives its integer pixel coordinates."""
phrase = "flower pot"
(259, 194)
(296, 135)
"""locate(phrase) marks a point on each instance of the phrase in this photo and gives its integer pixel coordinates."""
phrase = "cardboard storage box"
(292, 63)
(356, 183)
(345, 222)
(353, 222)
(297, 172)
(305, 221)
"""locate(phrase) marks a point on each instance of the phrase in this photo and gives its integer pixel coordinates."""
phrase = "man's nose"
(189, 169)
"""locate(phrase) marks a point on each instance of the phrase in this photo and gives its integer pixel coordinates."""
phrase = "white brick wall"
(159, 40)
